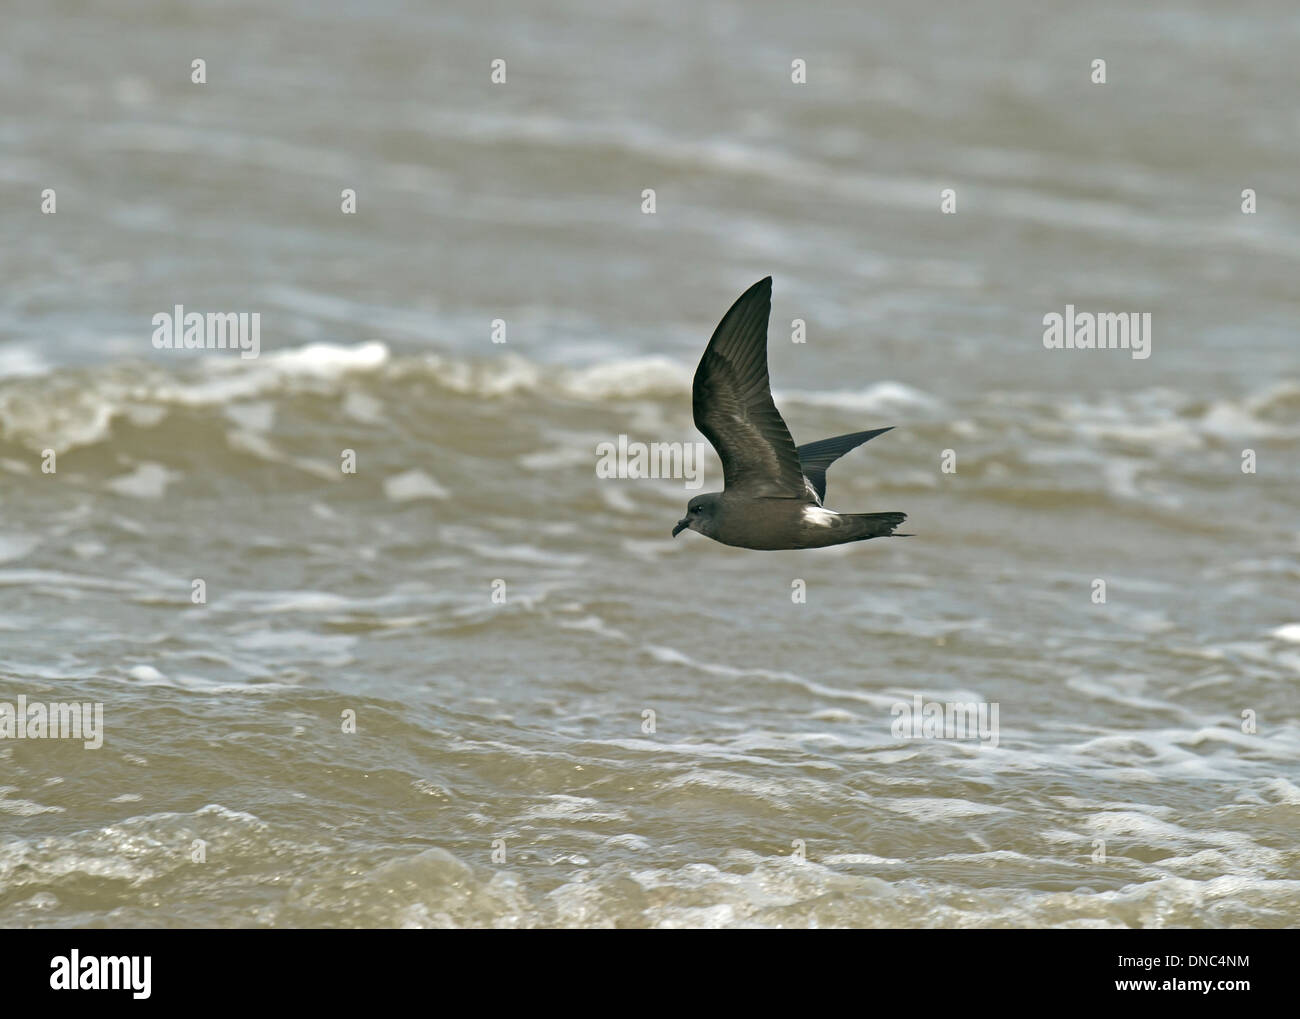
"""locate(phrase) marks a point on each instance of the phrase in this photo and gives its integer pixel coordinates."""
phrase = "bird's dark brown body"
(770, 524)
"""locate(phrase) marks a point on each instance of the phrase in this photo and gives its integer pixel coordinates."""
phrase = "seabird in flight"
(772, 491)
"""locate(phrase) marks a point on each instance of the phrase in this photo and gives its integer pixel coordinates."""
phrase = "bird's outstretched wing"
(733, 405)
(815, 457)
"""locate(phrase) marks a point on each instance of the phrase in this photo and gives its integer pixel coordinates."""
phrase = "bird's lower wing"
(816, 457)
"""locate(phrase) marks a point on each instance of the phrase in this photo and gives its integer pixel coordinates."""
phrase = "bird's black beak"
(681, 526)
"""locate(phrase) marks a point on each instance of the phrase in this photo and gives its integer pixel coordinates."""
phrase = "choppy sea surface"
(562, 716)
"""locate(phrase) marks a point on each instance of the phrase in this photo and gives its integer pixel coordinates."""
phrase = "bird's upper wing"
(815, 457)
(733, 404)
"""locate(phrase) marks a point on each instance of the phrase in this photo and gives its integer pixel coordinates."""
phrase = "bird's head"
(699, 515)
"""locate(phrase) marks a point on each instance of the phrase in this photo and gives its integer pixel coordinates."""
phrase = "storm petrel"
(772, 492)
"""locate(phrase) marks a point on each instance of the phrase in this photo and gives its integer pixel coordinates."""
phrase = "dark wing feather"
(817, 456)
(733, 405)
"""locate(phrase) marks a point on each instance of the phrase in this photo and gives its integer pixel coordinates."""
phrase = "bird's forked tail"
(874, 525)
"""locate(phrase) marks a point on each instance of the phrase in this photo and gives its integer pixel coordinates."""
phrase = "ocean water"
(473, 683)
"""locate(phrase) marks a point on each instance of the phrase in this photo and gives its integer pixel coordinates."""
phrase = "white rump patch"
(818, 516)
